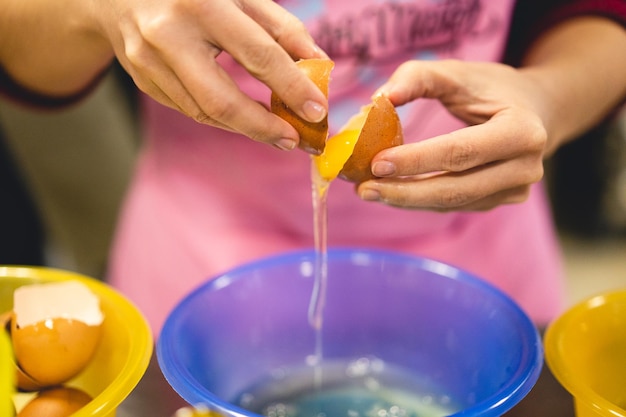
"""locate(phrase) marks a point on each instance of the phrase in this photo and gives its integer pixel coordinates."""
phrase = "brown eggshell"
(312, 135)
(55, 402)
(24, 382)
(52, 351)
(382, 130)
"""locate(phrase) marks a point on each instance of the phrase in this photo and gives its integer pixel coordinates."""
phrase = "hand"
(493, 161)
(169, 47)
(515, 118)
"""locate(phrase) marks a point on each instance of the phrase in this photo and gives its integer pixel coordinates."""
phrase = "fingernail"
(310, 150)
(383, 168)
(285, 144)
(379, 92)
(319, 51)
(369, 194)
(314, 112)
(383, 90)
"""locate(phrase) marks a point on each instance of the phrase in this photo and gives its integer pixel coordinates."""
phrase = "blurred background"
(63, 175)
(587, 182)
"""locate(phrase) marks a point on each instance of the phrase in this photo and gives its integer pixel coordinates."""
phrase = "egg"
(55, 402)
(349, 153)
(53, 351)
(55, 330)
(312, 135)
(23, 381)
(381, 130)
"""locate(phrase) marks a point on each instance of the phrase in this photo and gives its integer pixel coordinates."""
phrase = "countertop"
(153, 397)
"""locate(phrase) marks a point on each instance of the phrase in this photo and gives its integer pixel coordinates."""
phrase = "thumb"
(422, 79)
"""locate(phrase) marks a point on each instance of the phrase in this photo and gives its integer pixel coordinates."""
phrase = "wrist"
(580, 75)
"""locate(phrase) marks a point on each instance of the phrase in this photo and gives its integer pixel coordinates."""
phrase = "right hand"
(169, 48)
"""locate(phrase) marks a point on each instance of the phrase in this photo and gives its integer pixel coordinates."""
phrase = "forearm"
(580, 67)
(51, 47)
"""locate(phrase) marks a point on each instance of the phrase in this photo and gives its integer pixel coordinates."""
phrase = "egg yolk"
(340, 147)
(336, 153)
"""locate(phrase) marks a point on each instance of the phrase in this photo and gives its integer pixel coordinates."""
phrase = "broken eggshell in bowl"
(55, 330)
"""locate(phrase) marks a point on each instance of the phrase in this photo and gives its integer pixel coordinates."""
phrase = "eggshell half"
(312, 135)
(52, 351)
(381, 130)
(55, 330)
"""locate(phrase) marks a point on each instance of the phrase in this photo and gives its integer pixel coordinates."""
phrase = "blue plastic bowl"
(441, 323)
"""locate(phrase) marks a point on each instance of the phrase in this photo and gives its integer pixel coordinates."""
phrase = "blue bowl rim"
(509, 395)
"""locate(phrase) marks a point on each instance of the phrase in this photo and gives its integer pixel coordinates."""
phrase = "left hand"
(493, 161)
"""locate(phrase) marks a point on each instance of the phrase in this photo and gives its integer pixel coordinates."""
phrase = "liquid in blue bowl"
(402, 336)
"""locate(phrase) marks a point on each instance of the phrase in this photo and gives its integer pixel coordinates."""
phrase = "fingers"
(472, 91)
(479, 189)
(510, 134)
(421, 79)
(493, 161)
(170, 50)
(286, 29)
(474, 168)
(147, 66)
(266, 53)
(223, 104)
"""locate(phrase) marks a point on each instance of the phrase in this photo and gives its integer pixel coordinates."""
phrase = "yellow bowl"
(7, 376)
(585, 349)
(125, 348)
